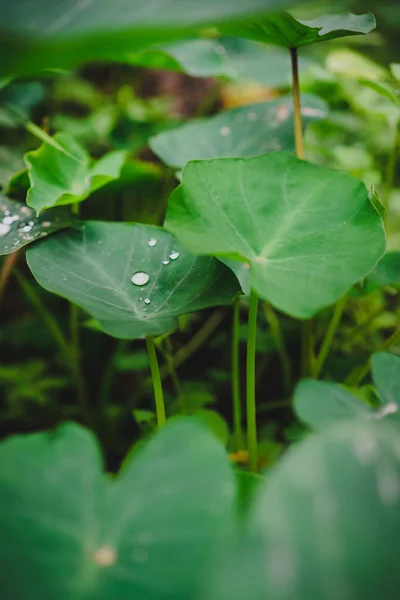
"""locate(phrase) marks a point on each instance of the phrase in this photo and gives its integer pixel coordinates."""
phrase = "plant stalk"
(276, 333)
(251, 384)
(329, 335)
(6, 270)
(236, 400)
(157, 385)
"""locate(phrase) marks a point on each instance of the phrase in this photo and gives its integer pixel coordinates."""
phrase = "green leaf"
(387, 271)
(93, 265)
(325, 522)
(387, 90)
(395, 70)
(19, 224)
(215, 423)
(309, 233)
(245, 131)
(285, 30)
(321, 403)
(69, 532)
(67, 177)
(386, 376)
(41, 34)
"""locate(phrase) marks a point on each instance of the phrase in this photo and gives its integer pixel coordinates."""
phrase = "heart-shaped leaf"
(134, 279)
(69, 532)
(38, 34)
(64, 174)
(386, 376)
(19, 224)
(285, 30)
(309, 233)
(321, 403)
(245, 131)
(326, 513)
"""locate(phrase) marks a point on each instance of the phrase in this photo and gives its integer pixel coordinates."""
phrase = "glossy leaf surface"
(94, 265)
(309, 233)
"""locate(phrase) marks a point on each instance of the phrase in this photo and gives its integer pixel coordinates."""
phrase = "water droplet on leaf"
(225, 130)
(174, 255)
(152, 242)
(165, 262)
(4, 229)
(140, 278)
(147, 300)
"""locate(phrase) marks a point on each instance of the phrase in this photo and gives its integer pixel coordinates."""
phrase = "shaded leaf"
(309, 233)
(386, 376)
(387, 271)
(245, 131)
(19, 224)
(66, 176)
(78, 534)
(94, 263)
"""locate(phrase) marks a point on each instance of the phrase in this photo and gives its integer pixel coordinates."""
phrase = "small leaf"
(309, 233)
(285, 30)
(20, 226)
(245, 131)
(59, 178)
(148, 533)
(134, 279)
(386, 376)
(319, 404)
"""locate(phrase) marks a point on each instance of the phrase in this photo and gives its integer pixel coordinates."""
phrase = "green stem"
(157, 385)
(358, 374)
(278, 338)
(307, 352)
(169, 357)
(236, 401)
(329, 335)
(251, 384)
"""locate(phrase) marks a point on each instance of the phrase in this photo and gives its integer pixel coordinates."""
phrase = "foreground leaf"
(68, 532)
(285, 30)
(309, 233)
(326, 513)
(245, 131)
(65, 175)
(20, 226)
(95, 264)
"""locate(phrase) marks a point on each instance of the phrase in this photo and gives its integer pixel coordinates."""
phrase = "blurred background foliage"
(120, 106)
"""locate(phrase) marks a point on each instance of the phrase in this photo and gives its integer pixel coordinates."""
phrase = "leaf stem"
(276, 333)
(157, 385)
(236, 400)
(6, 270)
(329, 335)
(251, 384)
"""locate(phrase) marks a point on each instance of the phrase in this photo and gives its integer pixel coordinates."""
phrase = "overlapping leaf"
(63, 173)
(20, 226)
(68, 532)
(94, 265)
(245, 131)
(308, 233)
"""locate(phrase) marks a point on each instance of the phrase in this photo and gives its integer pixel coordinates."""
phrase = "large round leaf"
(67, 532)
(39, 34)
(93, 265)
(308, 232)
(326, 522)
(245, 131)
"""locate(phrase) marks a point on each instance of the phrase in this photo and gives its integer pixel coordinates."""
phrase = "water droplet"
(219, 49)
(165, 262)
(26, 227)
(25, 210)
(152, 242)
(225, 130)
(252, 116)
(46, 223)
(174, 255)
(4, 229)
(105, 556)
(140, 278)
(147, 300)
(10, 220)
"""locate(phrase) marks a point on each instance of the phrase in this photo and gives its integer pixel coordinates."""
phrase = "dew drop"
(225, 130)
(4, 229)
(252, 116)
(105, 556)
(26, 227)
(46, 223)
(174, 255)
(165, 262)
(147, 300)
(140, 278)
(10, 220)
(152, 242)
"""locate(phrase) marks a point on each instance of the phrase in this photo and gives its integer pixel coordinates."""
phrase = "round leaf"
(19, 224)
(245, 131)
(309, 233)
(67, 532)
(93, 266)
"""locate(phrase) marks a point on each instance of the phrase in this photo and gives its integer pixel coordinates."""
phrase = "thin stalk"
(251, 384)
(236, 401)
(307, 334)
(358, 374)
(329, 335)
(278, 338)
(169, 357)
(6, 270)
(157, 385)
